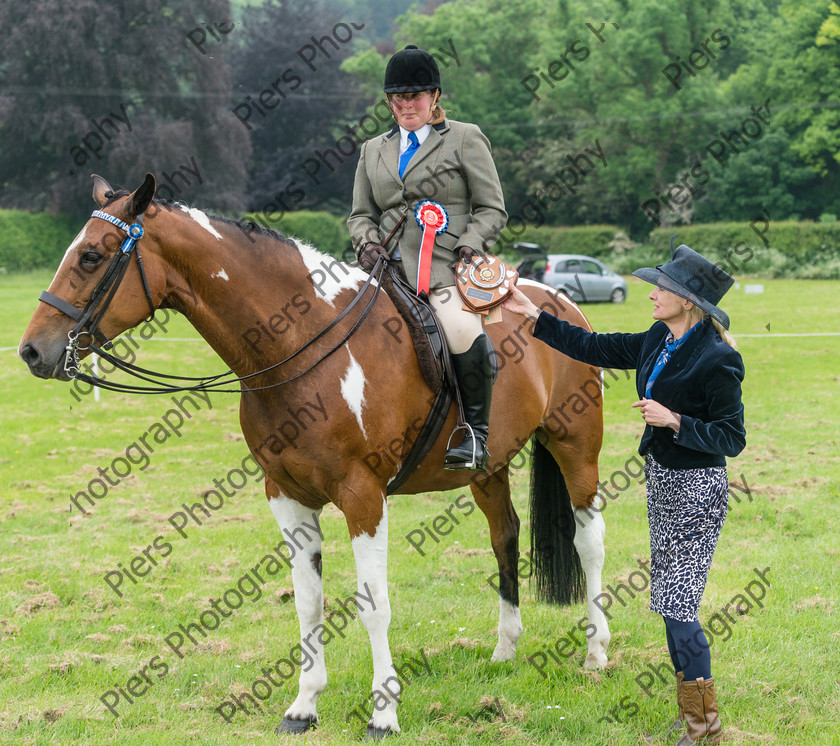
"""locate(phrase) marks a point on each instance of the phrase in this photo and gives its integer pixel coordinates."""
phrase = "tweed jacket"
(701, 382)
(454, 167)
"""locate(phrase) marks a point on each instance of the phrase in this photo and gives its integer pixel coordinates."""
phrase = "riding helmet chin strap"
(87, 320)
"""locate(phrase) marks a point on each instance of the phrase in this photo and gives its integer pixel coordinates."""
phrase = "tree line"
(643, 114)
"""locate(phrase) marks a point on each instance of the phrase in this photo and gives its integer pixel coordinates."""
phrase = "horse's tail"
(556, 571)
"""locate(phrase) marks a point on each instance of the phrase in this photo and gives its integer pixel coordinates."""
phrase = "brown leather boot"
(679, 723)
(701, 712)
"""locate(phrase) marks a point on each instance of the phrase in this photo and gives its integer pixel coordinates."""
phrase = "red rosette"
(432, 218)
(431, 214)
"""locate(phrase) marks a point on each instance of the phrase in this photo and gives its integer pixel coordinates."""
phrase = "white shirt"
(422, 134)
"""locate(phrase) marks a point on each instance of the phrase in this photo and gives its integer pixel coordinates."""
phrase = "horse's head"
(89, 295)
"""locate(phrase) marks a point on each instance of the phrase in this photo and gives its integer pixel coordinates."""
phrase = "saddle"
(435, 364)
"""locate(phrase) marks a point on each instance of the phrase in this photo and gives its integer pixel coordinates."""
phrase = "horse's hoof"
(377, 734)
(296, 725)
(595, 662)
(503, 652)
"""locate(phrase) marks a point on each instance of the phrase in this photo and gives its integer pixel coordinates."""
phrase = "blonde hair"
(438, 112)
(695, 314)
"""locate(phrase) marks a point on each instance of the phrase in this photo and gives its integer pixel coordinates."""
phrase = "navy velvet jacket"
(701, 382)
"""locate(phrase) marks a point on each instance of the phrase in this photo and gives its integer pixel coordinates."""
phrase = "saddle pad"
(417, 315)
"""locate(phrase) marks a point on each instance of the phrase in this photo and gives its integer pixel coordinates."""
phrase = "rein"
(111, 280)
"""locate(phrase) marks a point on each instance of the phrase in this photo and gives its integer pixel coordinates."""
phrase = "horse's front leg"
(371, 553)
(301, 529)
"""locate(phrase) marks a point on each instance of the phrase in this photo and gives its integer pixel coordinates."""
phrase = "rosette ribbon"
(432, 218)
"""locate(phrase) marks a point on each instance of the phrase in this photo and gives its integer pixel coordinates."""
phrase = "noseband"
(87, 320)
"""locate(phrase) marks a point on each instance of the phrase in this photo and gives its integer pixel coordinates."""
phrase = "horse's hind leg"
(589, 542)
(578, 462)
(302, 532)
(492, 495)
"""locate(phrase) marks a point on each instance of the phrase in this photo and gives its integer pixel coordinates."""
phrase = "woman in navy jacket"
(688, 378)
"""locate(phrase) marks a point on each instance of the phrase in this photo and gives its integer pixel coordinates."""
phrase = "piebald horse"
(228, 280)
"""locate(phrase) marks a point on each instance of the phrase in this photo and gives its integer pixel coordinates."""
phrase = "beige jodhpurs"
(461, 327)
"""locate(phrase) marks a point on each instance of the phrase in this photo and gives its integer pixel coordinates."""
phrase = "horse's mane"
(243, 224)
(246, 224)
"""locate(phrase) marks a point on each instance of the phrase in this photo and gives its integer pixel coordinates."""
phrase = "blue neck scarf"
(671, 346)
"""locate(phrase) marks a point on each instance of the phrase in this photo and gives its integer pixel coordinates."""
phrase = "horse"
(235, 283)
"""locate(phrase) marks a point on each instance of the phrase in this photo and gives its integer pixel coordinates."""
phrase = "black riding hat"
(410, 70)
(693, 277)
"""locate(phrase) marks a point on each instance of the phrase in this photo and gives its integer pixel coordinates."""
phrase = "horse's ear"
(102, 190)
(141, 197)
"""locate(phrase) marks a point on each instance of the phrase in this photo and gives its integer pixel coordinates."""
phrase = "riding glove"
(466, 254)
(369, 254)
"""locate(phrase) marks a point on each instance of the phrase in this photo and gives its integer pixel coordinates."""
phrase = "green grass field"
(66, 638)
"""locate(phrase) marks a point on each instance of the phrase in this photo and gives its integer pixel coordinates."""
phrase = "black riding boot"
(475, 379)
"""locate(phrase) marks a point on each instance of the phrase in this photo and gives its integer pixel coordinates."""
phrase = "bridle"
(87, 321)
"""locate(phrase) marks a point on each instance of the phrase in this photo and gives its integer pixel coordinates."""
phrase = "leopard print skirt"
(686, 511)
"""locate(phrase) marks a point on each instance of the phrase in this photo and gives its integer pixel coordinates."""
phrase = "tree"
(802, 80)
(592, 109)
(767, 175)
(117, 88)
(644, 80)
(306, 132)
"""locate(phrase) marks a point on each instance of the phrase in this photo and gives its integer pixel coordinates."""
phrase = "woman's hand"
(370, 254)
(466, 254)
(653, 413)
(518, 302)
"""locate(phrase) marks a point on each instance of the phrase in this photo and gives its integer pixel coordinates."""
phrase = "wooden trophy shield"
(484, 282)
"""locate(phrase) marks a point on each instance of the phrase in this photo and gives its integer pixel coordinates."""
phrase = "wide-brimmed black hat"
(410, 70)
(693, 277)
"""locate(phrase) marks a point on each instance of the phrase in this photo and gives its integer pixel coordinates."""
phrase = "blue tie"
(413, 144)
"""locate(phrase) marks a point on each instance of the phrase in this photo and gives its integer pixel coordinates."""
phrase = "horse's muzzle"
(46, 363)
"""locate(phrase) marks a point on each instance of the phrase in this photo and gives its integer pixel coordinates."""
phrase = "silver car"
(582, 278)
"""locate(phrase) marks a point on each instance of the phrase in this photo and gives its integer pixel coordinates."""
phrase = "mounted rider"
(433, 179)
